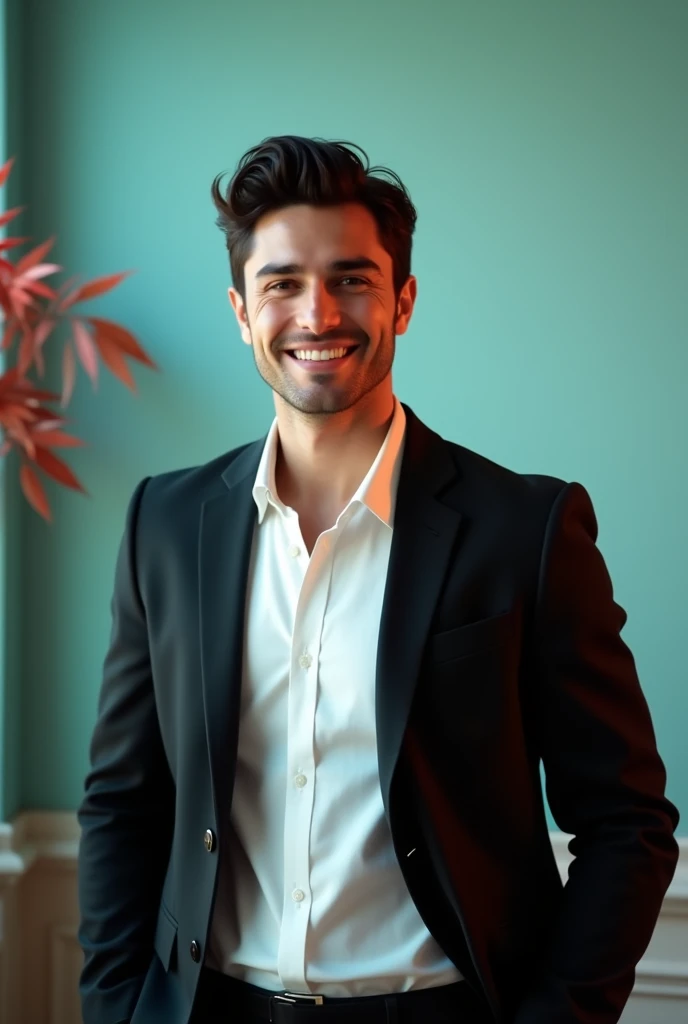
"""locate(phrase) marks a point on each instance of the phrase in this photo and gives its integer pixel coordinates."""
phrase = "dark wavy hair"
(288, 169)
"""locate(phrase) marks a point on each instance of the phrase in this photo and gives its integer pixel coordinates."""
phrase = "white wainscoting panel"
(64, 966)
(11, 866)
(38, 947)
(40, 959)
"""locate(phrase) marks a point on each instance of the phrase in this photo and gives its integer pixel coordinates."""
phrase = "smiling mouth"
(321, 355)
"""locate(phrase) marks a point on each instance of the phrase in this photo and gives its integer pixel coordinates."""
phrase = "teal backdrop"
(545, 145)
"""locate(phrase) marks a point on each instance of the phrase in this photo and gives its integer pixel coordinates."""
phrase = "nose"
(319, 310)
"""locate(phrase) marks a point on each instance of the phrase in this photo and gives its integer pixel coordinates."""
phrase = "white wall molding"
(11, 862)
(40, 958)
(39, 917)
(677, 896)
(663, 978)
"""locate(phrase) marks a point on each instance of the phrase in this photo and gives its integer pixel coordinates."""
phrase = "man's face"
(320, 311)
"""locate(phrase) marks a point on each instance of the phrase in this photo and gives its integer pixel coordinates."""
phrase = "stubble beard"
(319, 399)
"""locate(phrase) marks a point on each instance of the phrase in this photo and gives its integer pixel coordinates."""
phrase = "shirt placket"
(300, 789)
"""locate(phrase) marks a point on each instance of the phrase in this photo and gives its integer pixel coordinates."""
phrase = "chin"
(322, 403)
(320, 406)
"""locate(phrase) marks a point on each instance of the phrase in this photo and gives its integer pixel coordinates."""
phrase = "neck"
(321, 460)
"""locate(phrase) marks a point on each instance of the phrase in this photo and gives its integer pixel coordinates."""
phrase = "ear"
(405, 304)
(239, 307)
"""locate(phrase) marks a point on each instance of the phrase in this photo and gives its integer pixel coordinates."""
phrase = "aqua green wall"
(4, 595)
(11, 511)
(545, 146)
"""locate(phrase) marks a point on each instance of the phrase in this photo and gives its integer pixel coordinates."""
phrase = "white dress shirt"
(310, 895)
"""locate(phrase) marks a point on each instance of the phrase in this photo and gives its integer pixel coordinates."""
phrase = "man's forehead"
(293, 230)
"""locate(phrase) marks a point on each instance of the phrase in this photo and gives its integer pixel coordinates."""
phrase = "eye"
(352, 280)
(279, 286)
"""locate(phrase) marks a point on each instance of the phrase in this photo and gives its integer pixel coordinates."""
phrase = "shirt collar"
(378, 489)
(264, 489)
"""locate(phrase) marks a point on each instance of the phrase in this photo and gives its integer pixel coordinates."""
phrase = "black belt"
(222, 998)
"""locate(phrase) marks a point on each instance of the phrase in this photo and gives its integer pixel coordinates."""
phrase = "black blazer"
(499, 649)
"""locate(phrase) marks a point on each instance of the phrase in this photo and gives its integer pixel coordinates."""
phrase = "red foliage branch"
(31, 311)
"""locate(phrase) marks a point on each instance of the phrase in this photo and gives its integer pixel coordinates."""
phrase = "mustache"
(337, 334)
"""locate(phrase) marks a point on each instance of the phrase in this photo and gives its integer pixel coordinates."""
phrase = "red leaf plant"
(31, 312)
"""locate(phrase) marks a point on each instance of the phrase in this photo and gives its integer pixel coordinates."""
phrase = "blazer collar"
(426, 460)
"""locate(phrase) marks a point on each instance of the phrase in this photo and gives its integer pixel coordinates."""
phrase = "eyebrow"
(358, 263)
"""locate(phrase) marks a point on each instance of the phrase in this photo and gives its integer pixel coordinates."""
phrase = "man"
(339, 657)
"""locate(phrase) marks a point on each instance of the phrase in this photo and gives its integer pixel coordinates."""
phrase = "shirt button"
(305, 661)
(300, 781)
(297, 895)
(294, 551)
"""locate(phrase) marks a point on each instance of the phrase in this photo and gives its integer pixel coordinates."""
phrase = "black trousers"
(224, 1000)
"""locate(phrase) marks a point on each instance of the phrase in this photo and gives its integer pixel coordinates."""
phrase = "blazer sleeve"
(604, 780)
(127, 811)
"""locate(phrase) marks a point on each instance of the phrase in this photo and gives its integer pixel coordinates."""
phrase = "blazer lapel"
(225, 541)
(424, 534)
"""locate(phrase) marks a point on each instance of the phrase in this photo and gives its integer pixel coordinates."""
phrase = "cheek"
(383, 306)
(269, 320)
(368, 309)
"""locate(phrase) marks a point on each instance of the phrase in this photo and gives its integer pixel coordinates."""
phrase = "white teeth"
(334, 353)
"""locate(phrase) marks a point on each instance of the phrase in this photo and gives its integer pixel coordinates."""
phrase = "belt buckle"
(293, 999)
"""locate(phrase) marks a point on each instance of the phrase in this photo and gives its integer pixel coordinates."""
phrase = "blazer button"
(195, 951)
(209, 840)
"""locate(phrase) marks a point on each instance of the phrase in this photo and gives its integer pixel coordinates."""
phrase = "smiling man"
(339, 657)
(318, 302)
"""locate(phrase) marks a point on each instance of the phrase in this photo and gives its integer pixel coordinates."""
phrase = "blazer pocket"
(165, 936)
(474, 638)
